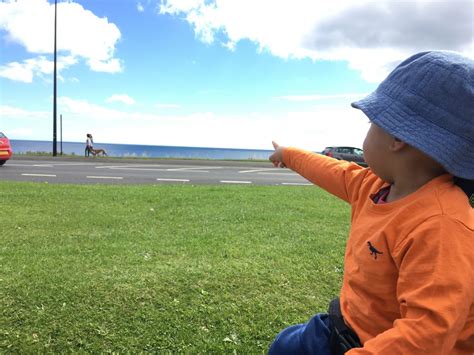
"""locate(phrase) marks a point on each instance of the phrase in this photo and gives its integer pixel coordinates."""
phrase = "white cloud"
(14, 113)
(24, 133)
(143, 5)
(123, 98)
(18, 72)
(312, 129)
(230, 45)
(371, 35)
(83, 110)
(81, 34)
(18, 123)
(29, 68)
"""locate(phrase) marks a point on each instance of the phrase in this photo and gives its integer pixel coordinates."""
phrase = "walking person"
(89, 145)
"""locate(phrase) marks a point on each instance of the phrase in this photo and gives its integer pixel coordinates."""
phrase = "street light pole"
(61, 132)
(55, 84)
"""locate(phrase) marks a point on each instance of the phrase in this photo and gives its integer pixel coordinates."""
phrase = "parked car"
(5, 149)
(355, 155)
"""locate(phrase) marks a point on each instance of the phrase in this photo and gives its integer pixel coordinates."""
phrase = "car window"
(2, 135)
(358, 151)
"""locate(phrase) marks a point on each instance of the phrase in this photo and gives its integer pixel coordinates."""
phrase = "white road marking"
(25, 165)
(235, 182)
(160, 168)
(49, 165)
(280, 174)
(177, 180)
(76, 164)
(129, 167)
(194, 169)
(105, 177)
(190, 170)
(296, 184)
(39, 175)
(254, 171)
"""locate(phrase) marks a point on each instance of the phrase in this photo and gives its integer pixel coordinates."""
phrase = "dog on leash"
(96, 152)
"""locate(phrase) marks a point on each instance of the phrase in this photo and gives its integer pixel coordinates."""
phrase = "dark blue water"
(145, 151)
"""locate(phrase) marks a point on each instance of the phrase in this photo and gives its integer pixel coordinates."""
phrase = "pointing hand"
(277, 157)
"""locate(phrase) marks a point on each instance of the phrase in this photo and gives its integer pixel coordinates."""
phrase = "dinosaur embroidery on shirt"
(373, 251)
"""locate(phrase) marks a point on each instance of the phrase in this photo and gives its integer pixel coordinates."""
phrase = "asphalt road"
(153, 171)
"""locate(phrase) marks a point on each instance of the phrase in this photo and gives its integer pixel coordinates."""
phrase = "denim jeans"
(309, 338)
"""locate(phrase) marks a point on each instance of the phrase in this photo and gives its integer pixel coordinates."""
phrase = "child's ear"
(396, 144)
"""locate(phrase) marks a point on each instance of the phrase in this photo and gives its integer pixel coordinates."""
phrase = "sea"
(141, 151)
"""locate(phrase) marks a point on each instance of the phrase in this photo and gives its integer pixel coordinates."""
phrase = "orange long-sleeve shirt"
(408, 283)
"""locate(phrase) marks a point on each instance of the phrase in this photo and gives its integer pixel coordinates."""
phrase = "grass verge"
(175, 268)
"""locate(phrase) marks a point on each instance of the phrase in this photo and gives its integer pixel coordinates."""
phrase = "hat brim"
(400, 121)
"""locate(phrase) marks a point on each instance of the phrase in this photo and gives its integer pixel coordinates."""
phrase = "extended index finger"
(275, 145)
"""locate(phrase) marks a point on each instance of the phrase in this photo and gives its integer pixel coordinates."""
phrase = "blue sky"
(221, 73)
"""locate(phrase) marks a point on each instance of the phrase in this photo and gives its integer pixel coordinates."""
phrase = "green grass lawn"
(165, 268)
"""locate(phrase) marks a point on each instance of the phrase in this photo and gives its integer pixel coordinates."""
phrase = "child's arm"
(342, 179)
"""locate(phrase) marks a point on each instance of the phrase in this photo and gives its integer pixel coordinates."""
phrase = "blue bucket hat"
(427, 101)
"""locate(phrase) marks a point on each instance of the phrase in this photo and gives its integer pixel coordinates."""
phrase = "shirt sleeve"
(339, 178)
(435, 290)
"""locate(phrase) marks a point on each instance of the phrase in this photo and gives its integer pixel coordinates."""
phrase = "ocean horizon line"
(23, 146)
(143, 145)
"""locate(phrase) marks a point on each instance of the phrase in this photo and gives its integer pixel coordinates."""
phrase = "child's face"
(377, 152)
